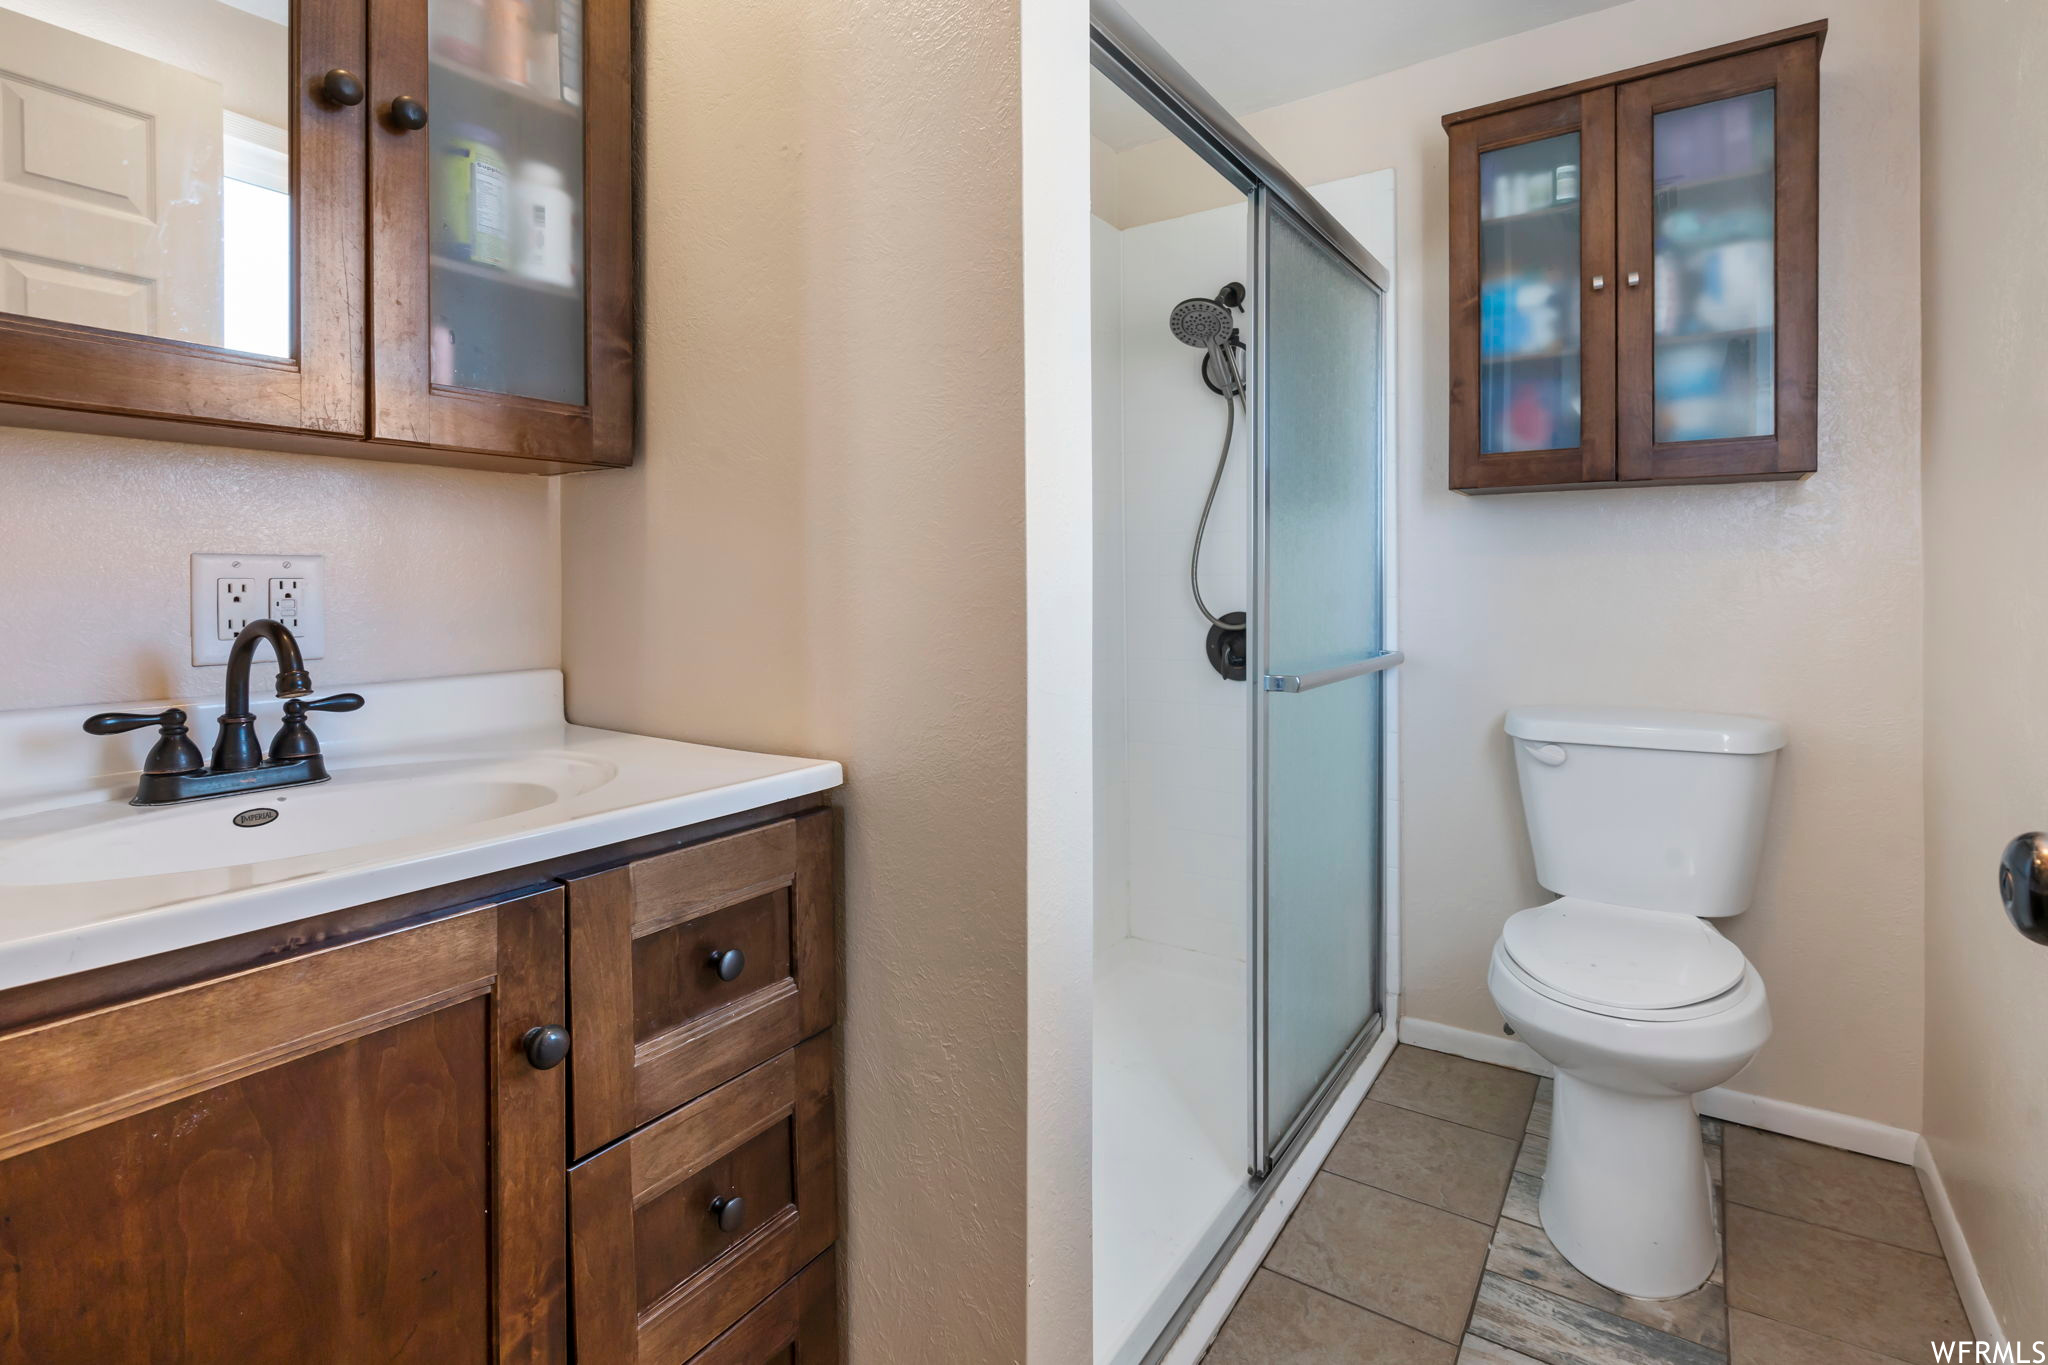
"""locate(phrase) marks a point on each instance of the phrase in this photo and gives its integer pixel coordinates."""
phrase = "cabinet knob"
(728, 964)
(1599, 283)
(341, 88)
(2023, 885)
(407, 114)
(730, 1213)
(546, 1047)
(1635, 277)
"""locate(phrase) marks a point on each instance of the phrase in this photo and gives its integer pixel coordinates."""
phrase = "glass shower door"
(1319, 652)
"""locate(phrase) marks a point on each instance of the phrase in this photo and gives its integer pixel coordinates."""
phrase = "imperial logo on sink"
(250, 819)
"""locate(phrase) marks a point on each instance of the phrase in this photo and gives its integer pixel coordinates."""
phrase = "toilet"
(1648, 826)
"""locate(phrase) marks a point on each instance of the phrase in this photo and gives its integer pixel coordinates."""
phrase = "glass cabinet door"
(1532, 324)
(506, 189)
(505, 226)
(1716, 242)
(175, 201)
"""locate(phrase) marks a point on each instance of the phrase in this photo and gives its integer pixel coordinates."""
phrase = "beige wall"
(821, 551)
(429, 571)
(1985, 124)
(1795, 600)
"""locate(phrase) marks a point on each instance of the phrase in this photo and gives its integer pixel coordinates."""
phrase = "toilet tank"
(1660, 810)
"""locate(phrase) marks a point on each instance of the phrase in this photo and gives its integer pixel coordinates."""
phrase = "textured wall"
(1985, 125)
(821, 551)
(429, 571)
(1795, 600)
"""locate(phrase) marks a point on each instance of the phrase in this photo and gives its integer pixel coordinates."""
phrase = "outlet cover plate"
(212, 600)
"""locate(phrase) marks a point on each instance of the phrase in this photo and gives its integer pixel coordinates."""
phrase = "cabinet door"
(1718, 228)
(1532, 298)
(502, 233)
(340, 1157)
(181, 207)
(690, 967)
(685, 1226)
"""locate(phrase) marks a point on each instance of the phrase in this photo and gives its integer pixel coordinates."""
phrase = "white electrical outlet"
(229, 591)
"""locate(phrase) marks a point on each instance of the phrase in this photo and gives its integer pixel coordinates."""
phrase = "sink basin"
(263, 827)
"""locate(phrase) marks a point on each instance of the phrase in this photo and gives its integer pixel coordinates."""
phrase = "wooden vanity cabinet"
(449, 221)
(341, 1156)
(338, 1141)
(1634, 275)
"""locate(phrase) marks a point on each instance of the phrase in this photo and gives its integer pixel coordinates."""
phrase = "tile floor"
(1418, 1243)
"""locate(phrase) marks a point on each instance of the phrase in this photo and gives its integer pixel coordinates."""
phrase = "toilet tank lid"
(1642, 727)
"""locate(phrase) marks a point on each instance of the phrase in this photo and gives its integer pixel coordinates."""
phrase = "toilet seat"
(1624, 962)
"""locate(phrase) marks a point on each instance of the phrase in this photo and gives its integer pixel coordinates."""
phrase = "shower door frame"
(1125, 54)
(1268, 1150)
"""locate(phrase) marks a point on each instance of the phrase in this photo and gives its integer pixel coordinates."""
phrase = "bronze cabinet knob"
(730, 1213)
(407, 114)
(546, 1047)
(728, 964)
(341, 88)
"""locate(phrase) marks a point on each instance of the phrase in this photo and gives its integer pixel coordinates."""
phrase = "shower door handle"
(1309, 682)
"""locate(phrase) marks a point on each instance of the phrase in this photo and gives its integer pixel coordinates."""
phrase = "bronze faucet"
(174, 772)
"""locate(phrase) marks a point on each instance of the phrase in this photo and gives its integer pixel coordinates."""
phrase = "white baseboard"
(1824, 1126)
(1208, 1318)
(1961, 1264)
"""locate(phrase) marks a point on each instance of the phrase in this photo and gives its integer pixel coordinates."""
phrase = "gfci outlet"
(231, 590)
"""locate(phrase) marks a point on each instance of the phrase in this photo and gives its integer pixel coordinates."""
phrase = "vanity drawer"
(799, 1325)
(654, 1020)
(658, 1274)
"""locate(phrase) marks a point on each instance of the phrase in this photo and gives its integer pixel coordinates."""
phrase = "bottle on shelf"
(508, 26)
(543, 225)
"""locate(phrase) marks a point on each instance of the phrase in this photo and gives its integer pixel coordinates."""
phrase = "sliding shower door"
(1319, 657)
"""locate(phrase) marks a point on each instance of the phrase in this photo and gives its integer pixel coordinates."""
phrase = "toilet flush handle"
(1549, 755)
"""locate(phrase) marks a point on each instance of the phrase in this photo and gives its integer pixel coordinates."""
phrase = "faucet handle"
(120, 722)
(173, 752)
(340, 701)
(295, 738)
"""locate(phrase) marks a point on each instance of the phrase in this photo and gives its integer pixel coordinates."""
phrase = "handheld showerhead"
(1201, 323)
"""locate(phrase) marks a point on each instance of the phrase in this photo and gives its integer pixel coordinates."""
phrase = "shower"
(1210, 327)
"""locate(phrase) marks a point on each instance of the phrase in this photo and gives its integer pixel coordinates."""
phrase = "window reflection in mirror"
(147, 181)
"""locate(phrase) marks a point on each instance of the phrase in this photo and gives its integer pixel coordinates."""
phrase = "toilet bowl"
(1626, 1196)
(1649, 825)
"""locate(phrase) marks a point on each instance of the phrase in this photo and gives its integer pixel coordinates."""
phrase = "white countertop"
(433, 781)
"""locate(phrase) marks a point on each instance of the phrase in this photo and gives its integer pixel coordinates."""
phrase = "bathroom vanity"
(566, 1090)
(1634, 275)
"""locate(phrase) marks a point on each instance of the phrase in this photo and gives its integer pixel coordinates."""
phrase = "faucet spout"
(237, 749)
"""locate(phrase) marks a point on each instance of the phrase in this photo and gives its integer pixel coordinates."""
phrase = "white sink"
(110, 841)
(433, 782)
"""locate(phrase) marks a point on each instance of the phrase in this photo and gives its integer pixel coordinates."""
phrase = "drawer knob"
(730, 1213)
(546, 1047)
(728, 964)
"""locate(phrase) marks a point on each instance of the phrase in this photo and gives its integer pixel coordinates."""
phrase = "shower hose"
(1233, 399)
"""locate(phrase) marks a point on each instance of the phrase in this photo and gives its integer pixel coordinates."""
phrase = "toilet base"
(1625, 1192)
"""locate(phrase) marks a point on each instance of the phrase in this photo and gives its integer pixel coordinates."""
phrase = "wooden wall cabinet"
(329, 1141)
(446, 187)
(1634, 275)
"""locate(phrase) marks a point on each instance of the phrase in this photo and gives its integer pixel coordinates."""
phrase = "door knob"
(341, 88)
(546, 1047)
(730, 1213)
(728, 964)
(2023, 885)
(407, 114)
